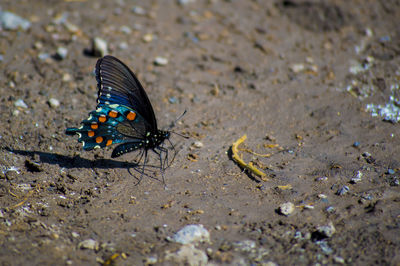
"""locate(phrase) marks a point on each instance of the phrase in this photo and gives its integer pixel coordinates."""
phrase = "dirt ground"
(295, 76)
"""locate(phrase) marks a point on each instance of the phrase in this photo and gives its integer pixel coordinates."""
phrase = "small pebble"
(44, 56)
(324, 247)
(138, 10)
(11, 21)
(61, 53)
(99, 47)
(357, 177)
(123, 46)
(296, 68)
(72, 28)
(366, 154)
(385, 39)
(191, 234)
(390, 171)
(244, 246)
(198, 144)
(151, 260)
(185, 2)
(187, 255)
(322, 178)
(270, 263)
(330, 209)
(173, 100)
(89, 244)
(160, 61)
(286, 208)
(125, 29)
(11, 84)
(343, 190)
(394, 182)
(54, 103)
(356, 144)
(327, 230)
(75, 234)
(20, 103)
(66, 77)
(148, 37)
(338, 259)
(38, 45)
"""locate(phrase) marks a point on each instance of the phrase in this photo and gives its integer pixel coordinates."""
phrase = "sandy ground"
(295, 76)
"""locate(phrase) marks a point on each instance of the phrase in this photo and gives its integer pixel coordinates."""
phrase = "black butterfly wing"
(118, 85)
(123, 115)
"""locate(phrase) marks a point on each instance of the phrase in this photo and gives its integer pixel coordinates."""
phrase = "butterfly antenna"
(173, 124)
(179, 118)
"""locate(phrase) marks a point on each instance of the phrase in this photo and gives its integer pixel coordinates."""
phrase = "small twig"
(23, 201)
(248, 166)
(255, 153)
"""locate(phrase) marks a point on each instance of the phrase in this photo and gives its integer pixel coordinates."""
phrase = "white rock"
(123, 45)
(245, 245)
(20, 103)
(148, 37)
(327, 230)
(99, 47)
(286, 208)
(192, 234)
(62, 52)
(160, 61)
(198, 144)
(10, 21)
(357, 177)
(296, 68)
(138, 10)
(54, 103)
(125, 29)
(151, 260)
(187, 255)
(89, 244)
(185, 2)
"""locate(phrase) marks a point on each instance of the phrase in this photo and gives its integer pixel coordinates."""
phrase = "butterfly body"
(123, 115)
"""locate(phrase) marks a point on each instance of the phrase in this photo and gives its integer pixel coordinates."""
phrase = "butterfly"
(124, 116)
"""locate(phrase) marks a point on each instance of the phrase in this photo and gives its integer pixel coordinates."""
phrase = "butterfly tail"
(71, 131)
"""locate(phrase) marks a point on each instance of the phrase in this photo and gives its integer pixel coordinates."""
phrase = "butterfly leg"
(144, 165)
(162, 165)
(175, 152)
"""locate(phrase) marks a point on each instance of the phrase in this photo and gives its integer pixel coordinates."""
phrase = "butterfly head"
(154, 140)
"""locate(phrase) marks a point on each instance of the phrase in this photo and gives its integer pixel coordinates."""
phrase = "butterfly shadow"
(73, 162)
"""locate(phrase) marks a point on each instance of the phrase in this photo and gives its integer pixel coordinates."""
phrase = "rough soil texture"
(278, 71)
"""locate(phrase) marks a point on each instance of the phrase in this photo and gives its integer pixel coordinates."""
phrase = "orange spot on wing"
(113, 114)
(94, 126)
(109, 142)
(102, 118)
(99, 139)
(131, 116)
(90, 133)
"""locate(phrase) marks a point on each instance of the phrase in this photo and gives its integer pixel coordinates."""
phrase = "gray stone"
(192, 234)
(187, 255)
(10, 21)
